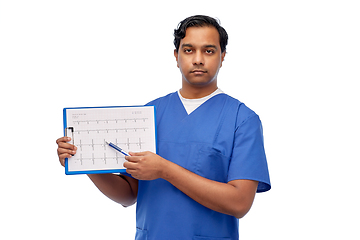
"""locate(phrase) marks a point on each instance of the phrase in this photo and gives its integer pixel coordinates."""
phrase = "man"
(211, 159)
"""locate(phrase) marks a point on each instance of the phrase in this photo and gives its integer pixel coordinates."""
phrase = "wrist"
(164, 168)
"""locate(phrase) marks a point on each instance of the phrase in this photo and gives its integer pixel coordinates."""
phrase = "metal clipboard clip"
(69, 132)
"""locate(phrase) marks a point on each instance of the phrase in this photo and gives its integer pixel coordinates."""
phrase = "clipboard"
(132, 128)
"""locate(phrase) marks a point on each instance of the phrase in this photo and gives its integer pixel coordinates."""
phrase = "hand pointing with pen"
(145, 165)
(141, 165)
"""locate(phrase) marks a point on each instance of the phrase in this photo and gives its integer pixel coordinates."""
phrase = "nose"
(198, 58)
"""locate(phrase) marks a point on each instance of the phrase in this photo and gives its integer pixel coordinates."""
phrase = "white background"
(296, 63)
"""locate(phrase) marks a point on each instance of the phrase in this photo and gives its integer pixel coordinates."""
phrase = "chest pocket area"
(211, 164)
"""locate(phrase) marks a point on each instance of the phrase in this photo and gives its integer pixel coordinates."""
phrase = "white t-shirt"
(191, 104)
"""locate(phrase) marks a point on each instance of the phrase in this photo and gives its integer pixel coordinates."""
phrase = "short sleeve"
(248, 160)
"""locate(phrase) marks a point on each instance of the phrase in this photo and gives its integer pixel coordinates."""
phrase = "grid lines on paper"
(126, 128)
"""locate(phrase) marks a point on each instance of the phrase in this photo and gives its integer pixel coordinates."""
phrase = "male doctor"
(211, 159)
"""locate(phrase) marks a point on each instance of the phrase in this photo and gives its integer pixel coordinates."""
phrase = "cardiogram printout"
(130, 128)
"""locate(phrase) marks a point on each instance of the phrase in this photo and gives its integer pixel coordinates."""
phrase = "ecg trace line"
(92, 144)
(111, 129)
(93, 159)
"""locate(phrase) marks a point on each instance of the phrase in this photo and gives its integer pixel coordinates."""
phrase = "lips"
(198, 71)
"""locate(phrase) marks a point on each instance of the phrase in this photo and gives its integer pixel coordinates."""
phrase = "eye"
(209, 51)
(187, 50)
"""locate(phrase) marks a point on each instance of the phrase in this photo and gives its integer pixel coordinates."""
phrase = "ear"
(176, 55)
(222, 58)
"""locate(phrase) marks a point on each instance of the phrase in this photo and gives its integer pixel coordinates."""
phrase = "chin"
(199, 82)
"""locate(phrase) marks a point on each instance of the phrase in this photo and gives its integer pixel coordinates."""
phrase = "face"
(199, 56)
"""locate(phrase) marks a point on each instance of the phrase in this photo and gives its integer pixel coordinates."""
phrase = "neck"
(199, 91)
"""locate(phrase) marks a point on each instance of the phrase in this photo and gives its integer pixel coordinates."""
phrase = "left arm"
(233, 198)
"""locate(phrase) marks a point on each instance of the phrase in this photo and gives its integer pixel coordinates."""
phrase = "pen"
(117, 148)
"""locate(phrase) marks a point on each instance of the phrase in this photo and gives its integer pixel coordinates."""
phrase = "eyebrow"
(210, 46)
(186, 45)
(205, 46)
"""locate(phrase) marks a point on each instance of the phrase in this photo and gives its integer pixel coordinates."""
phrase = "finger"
(137, 153)
(132, 173)
(62, 162)
(131, 170)
(132, 158)
(66, 151)
(63, 139)
(129, 166)
(66, 145)
(62, 158)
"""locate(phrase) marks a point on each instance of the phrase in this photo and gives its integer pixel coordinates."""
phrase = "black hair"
(199, 21)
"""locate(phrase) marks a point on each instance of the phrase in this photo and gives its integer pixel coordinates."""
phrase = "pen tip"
(107, 142)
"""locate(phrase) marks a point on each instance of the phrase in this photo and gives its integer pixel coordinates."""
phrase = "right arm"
(121, 189)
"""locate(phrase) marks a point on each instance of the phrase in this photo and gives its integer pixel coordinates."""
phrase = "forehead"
(201, 36)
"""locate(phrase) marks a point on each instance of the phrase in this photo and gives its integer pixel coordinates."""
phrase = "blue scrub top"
(221, 140)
